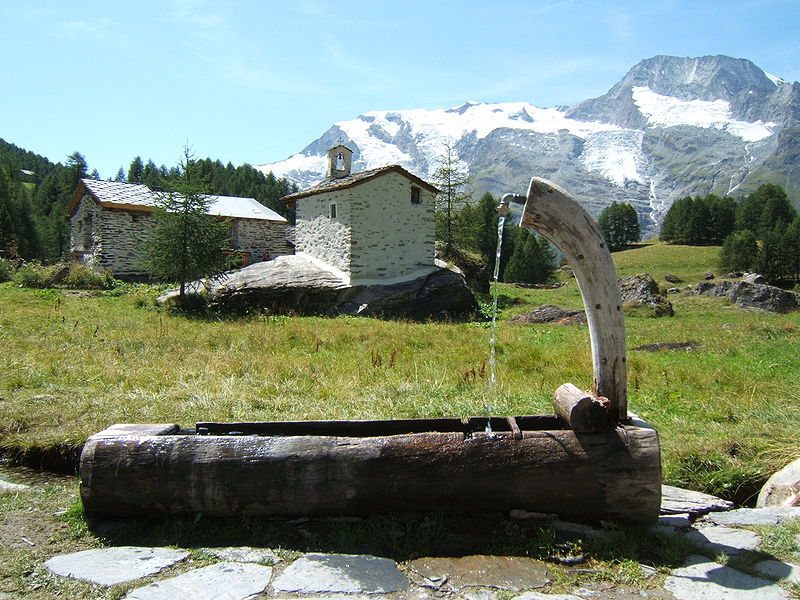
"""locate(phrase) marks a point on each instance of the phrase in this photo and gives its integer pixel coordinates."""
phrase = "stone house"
(110, 220)
(371, 227)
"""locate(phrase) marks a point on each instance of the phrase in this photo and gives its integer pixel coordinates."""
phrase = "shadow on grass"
(401, 538)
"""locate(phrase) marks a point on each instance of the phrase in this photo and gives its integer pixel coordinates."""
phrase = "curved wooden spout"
(552, 212)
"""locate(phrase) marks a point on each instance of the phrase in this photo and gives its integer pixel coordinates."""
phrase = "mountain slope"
(671, 127)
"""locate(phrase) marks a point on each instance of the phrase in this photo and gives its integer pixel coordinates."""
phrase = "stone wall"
(377, 234)
(262, 240)
(85, 231)
(392, 237)
(111, 240)
(319, 235)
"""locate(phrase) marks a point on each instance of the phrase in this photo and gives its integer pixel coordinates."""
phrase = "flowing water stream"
(501, 221)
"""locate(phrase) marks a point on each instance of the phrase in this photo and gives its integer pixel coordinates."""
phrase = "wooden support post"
(553, 213)
(582, 412)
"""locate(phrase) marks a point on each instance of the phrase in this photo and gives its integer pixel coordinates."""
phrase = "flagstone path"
(244, 573)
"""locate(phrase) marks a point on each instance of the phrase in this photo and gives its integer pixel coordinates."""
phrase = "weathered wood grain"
(552, 212)
(581, 411)
(613, 475)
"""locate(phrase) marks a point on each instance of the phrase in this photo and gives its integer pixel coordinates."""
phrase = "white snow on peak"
(376, 133)
(294, 167)
(665, 111)
(775, 79)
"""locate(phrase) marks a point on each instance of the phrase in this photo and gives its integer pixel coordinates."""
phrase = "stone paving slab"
(702, 579)
(540, 596)
(677, 500)
(8, 486)
(245, 554)
(676, 521)
(778, 570)
(724, 540)
(110, 566)
(221, 581)
(341, 573)
(510, 573)
(771, 515)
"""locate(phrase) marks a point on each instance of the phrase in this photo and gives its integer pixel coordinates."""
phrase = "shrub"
(83, 277)
(36, 275)
(7, 269)
(76, 276)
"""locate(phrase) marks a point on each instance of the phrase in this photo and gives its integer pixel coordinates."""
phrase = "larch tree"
(453, 180)
(186, 243)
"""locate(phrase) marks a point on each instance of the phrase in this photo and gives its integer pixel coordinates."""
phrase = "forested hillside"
(35, 192)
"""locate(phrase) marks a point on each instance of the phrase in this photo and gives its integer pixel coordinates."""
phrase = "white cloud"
(100, 29)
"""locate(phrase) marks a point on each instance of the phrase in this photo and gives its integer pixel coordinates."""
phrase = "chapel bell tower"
(340, 159)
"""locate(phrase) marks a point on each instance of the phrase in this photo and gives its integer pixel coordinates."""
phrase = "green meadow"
(73, 363)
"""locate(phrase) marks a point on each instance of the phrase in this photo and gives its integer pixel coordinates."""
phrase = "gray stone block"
(111, 566)
(702, 579)
(341, 573)
(778, 570)
(771, 515)
(231, 581)
(724, 540)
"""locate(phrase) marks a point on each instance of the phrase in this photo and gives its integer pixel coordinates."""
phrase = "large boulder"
(783, 488)
(751, 295)
(294, 284)
(641, 294)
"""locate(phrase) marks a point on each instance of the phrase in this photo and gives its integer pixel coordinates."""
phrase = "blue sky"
(256, 81)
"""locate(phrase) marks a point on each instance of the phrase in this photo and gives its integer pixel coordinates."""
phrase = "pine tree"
(739, 251)
(186, 243)
(452, 178)
(790, 246)
(532, 260)
(135, 170)
(619, 225)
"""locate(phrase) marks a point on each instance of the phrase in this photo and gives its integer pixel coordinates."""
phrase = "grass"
(73, 363)
(727, 413)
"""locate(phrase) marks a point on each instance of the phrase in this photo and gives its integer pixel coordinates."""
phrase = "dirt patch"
(687, 346)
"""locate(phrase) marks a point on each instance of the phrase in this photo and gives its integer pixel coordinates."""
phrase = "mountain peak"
(700, 78)
(673, 126)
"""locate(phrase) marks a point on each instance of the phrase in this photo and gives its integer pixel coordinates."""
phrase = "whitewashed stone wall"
(391, 236)
(320, 236)
(118, 235)
(377, 234)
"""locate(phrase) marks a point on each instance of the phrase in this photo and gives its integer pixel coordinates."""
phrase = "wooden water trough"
(589, 461)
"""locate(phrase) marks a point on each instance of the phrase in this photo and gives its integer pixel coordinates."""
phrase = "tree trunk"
(612, 475)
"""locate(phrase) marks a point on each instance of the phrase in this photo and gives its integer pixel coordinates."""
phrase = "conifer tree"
(135, 170)
(452, 178)
(186, 243)
(532, 260)
(619, 225)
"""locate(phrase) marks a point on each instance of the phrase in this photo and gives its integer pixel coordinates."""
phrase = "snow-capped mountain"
(671, 127)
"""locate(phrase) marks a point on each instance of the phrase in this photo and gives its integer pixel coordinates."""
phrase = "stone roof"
(329, 185)
(139, 197)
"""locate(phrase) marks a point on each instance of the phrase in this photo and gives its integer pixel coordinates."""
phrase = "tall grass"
(727, 413)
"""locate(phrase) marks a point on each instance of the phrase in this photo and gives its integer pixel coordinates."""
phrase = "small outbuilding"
(110, 220)
(370, 227)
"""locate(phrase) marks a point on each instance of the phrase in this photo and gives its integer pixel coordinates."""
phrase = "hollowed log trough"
(589, 461)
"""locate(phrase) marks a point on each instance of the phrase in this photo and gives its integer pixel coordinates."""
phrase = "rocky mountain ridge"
(671, 127)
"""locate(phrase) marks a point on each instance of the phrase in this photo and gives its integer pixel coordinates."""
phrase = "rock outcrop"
(751, 295)
(293, 284)
(783, 488)
(641, 293)
(550, 313)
